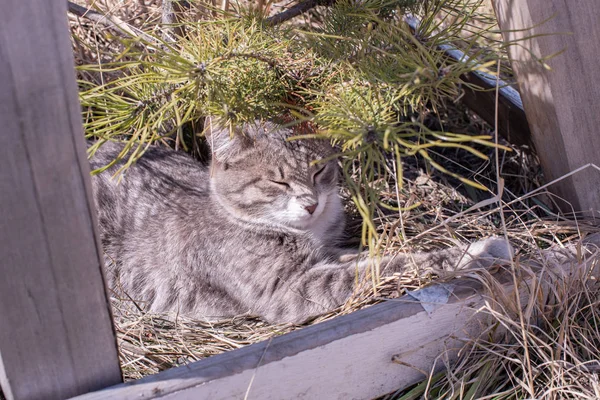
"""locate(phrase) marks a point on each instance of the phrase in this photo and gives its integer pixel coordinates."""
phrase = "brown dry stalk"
(296, 10)
(112, 22)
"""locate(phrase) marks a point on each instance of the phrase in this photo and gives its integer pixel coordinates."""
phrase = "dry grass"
(550, 351)
(543, 343)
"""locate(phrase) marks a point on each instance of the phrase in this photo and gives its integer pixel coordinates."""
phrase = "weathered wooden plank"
(56, 335)
(562, 103)
(512, 121)
(350, 357)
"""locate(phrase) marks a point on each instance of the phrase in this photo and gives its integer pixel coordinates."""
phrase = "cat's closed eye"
(282, 184)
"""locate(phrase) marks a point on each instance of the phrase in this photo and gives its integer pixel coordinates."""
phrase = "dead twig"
(112, 22)
(170, 21)
(296, 10)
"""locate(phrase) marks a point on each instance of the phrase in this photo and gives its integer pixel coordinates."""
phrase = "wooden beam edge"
(302, 358)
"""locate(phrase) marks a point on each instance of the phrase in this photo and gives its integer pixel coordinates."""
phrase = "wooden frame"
(362, 355)
(56, 335)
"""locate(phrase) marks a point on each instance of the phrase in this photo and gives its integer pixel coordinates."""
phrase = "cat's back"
(157, 161)
(161, 183)
(158, 169)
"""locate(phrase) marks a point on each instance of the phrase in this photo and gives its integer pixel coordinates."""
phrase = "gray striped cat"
(257, 231)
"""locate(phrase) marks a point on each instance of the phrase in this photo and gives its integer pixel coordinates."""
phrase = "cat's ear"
(224, 139)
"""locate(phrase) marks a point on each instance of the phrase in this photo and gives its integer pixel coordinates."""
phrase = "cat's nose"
(311, 209)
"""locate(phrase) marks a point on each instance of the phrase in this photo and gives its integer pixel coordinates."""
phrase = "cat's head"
(261, 176)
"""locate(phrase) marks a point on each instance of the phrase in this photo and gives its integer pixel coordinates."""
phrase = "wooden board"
(56, 335)
(512, 121)
(561, 103)
(350, 357)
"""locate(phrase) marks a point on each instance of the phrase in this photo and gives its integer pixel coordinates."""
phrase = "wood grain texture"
(56, 335)
(349, 357)
(561, 103)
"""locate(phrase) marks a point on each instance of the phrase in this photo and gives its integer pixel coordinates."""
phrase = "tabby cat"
(257, 231)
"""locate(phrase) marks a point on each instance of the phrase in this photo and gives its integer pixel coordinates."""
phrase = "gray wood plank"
(351, 357)
(56, 335)
(561, 103)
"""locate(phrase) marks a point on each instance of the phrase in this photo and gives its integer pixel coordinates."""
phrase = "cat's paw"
(485, 253)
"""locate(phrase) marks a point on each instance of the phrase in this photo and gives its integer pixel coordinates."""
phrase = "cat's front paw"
(485, 253)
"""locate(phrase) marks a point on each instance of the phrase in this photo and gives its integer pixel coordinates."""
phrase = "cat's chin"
(304, 224)
(293, 221)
